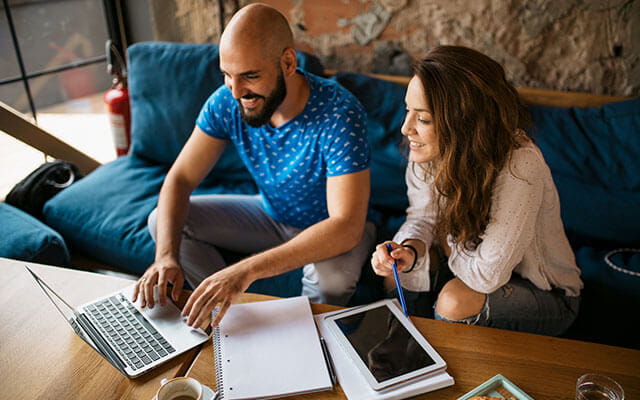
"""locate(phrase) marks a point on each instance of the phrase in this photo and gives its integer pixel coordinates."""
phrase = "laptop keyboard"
(130, 335)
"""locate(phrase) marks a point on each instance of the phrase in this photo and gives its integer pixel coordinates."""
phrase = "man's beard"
(269, 106)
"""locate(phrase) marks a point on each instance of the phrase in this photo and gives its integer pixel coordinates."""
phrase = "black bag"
(32, 192)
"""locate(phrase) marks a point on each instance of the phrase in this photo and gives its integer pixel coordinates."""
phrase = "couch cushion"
(105, 214)
(286, 285)
(26, 238)
(168, 83)
(594, 215)
(593, 156)
(384, 104)
(610, 298)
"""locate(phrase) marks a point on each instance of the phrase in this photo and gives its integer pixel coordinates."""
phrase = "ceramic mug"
(181, 388)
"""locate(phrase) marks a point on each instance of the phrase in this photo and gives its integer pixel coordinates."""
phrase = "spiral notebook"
(269, 349)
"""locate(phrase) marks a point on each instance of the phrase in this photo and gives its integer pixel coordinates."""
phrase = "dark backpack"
(32, 192)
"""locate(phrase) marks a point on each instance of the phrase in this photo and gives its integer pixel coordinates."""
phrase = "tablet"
(383, 344)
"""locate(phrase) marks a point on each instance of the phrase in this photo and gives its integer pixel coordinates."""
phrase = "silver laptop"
(132, 339)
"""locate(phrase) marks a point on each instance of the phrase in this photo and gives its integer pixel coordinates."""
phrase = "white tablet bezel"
(439, 363)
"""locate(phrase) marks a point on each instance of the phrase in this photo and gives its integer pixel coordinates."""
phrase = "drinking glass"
(598, 387)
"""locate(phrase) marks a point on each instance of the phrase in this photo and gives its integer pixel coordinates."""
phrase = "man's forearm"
(173, 205)
(347, 198)
(326, 239)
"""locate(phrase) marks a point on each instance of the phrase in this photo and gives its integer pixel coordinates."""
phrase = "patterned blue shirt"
(291, 163)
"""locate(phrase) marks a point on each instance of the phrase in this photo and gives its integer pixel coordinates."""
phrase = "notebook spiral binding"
(217, 357)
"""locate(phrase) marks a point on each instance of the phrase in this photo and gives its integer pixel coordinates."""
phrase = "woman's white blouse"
(524, 235)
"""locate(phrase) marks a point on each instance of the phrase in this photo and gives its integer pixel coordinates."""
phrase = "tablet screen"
(385, 346)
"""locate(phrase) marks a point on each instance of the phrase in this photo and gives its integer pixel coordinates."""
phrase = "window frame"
(114, 14)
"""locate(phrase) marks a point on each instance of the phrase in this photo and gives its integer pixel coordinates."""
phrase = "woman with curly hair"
(480, 191)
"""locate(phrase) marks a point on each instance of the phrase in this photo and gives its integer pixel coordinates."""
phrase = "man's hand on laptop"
(160, 273)
(218, 289)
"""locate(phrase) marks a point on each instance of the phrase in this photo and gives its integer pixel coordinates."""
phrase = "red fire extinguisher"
(116, 101)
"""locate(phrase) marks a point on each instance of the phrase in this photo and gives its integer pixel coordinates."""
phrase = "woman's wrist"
(415, 257)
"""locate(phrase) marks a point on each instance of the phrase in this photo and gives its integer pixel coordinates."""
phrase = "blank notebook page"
(269, 349)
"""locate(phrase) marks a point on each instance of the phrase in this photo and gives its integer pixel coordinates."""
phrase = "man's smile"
(250, 103)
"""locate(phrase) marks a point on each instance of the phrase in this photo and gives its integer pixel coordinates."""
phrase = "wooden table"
(41, 357)
(544, 367)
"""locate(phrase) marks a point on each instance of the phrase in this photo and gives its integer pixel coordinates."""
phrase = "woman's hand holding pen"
(382, 260)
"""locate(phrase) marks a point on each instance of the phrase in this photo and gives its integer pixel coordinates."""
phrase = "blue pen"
(398, 286)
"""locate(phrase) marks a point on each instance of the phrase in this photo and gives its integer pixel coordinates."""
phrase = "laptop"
(132, 339)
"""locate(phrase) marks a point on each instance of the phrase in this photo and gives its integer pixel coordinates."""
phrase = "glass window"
(8, 61)
(14, 95)
(55, 33)
(52, 34)
(68, 85)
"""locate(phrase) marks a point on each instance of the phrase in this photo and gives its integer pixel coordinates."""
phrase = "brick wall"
(580, 45)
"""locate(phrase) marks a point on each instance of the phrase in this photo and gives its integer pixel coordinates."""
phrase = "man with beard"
(303, 139)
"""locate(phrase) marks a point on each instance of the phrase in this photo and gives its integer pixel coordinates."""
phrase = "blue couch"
(26, 238)
(594, 156)
(104, 214)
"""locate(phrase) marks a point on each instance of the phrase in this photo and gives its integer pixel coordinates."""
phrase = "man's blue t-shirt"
(291, 163)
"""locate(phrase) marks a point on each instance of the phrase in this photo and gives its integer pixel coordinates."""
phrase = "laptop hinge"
(101, 344)
(82, 326)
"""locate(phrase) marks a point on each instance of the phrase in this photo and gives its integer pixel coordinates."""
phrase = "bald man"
(303, 140)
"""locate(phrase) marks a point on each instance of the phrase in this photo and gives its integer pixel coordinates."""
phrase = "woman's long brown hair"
(479, 120)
